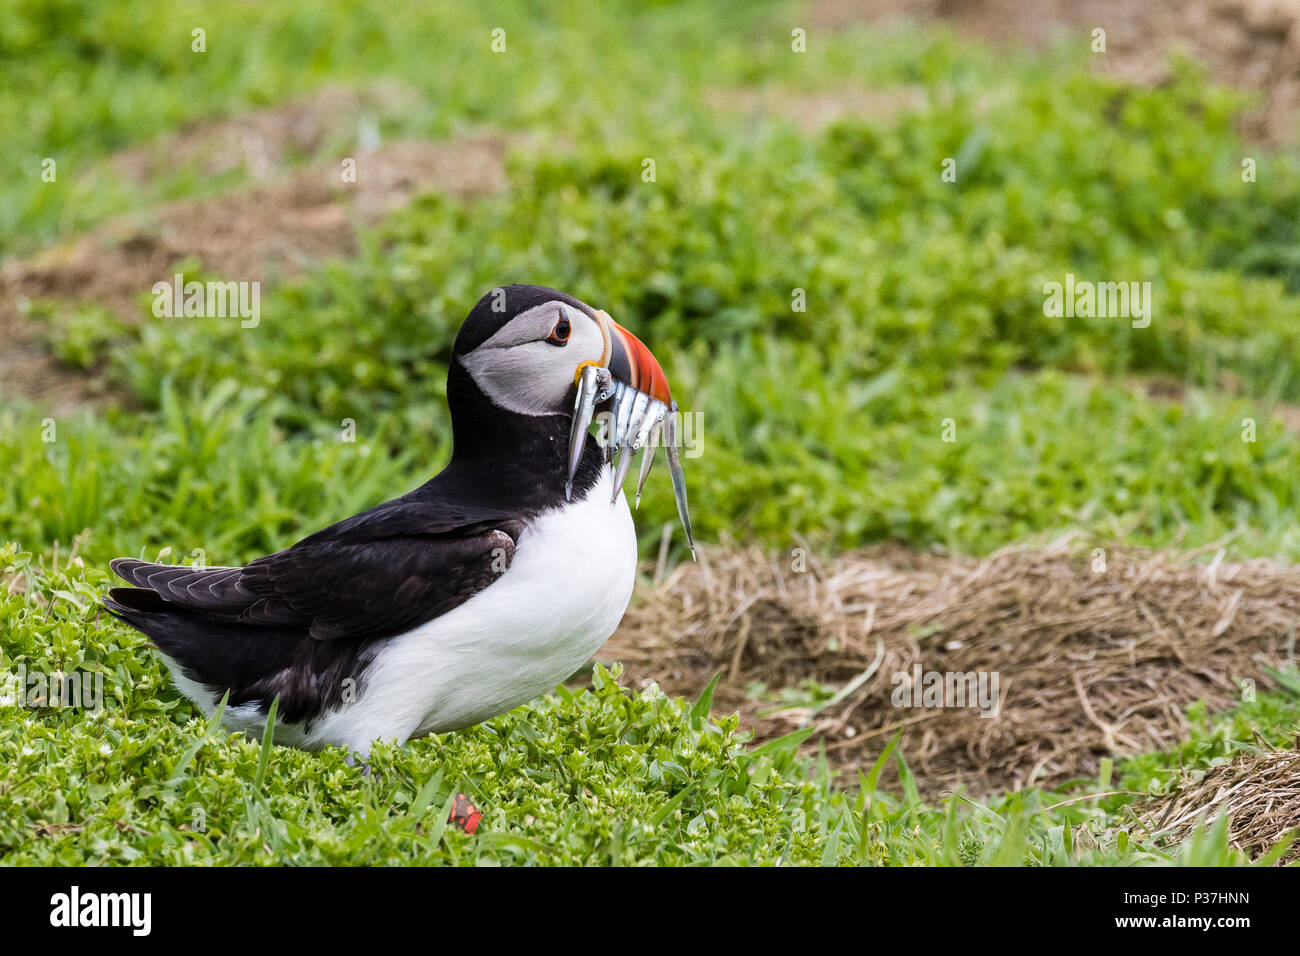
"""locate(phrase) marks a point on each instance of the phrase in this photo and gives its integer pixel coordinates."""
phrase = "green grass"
(924, 304)
(598, 776)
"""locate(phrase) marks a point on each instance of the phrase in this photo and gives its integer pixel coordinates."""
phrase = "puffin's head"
(537, 351)
(526, 347)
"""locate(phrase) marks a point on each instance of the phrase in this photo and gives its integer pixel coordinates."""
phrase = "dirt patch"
(256, 233)
(264, 143)
(1164, 389)
(250, 234)
(1259, 792)
(1250, 44)
(1091, 662)
(814, 111)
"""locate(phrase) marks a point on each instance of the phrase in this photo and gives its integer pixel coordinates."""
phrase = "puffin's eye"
(560, 334)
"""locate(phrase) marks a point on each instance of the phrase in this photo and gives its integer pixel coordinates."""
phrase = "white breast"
(562, 597)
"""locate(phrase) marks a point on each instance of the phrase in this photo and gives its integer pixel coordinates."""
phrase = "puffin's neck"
(510, 461)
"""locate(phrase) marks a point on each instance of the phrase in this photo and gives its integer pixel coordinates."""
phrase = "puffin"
(486, 586)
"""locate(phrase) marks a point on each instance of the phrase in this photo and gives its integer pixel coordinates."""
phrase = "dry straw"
(1259, 792)
(1091, 662)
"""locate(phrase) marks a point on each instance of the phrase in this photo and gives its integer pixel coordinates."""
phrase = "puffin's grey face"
(530, 364)
(555, 358)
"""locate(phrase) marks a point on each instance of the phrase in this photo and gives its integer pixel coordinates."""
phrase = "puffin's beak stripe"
(632, 362)
(606, 324)
(642, 413)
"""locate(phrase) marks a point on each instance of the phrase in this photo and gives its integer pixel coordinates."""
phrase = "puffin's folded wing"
(374, 588)
(360, 579)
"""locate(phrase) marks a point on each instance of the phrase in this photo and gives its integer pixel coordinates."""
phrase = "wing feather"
(374, 575)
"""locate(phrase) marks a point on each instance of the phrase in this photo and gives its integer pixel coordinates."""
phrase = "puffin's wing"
(375, 575)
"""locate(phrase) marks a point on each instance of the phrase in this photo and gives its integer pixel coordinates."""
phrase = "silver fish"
(679, 480)
(639, 404)
(583, 410)
(624, 399)
(653, 432)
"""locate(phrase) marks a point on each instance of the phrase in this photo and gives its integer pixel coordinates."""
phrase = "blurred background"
(813, 285)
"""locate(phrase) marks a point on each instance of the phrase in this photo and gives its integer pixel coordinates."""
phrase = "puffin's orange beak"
(642, 414)
(632, 363)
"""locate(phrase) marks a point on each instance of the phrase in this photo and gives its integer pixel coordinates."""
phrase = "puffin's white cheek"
(531, 379)
(530, 375)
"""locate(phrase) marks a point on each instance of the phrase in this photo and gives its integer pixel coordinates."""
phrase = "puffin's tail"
(173, 630)
(138, 607)
(180, 634)
(192, 616)
(168, 624)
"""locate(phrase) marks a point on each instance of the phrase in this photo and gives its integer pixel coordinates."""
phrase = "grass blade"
(264, 757)
(178, 773)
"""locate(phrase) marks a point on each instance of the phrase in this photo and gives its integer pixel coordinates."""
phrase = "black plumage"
(301, 622)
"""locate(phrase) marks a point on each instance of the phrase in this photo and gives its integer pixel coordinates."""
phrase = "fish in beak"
(642, 414)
